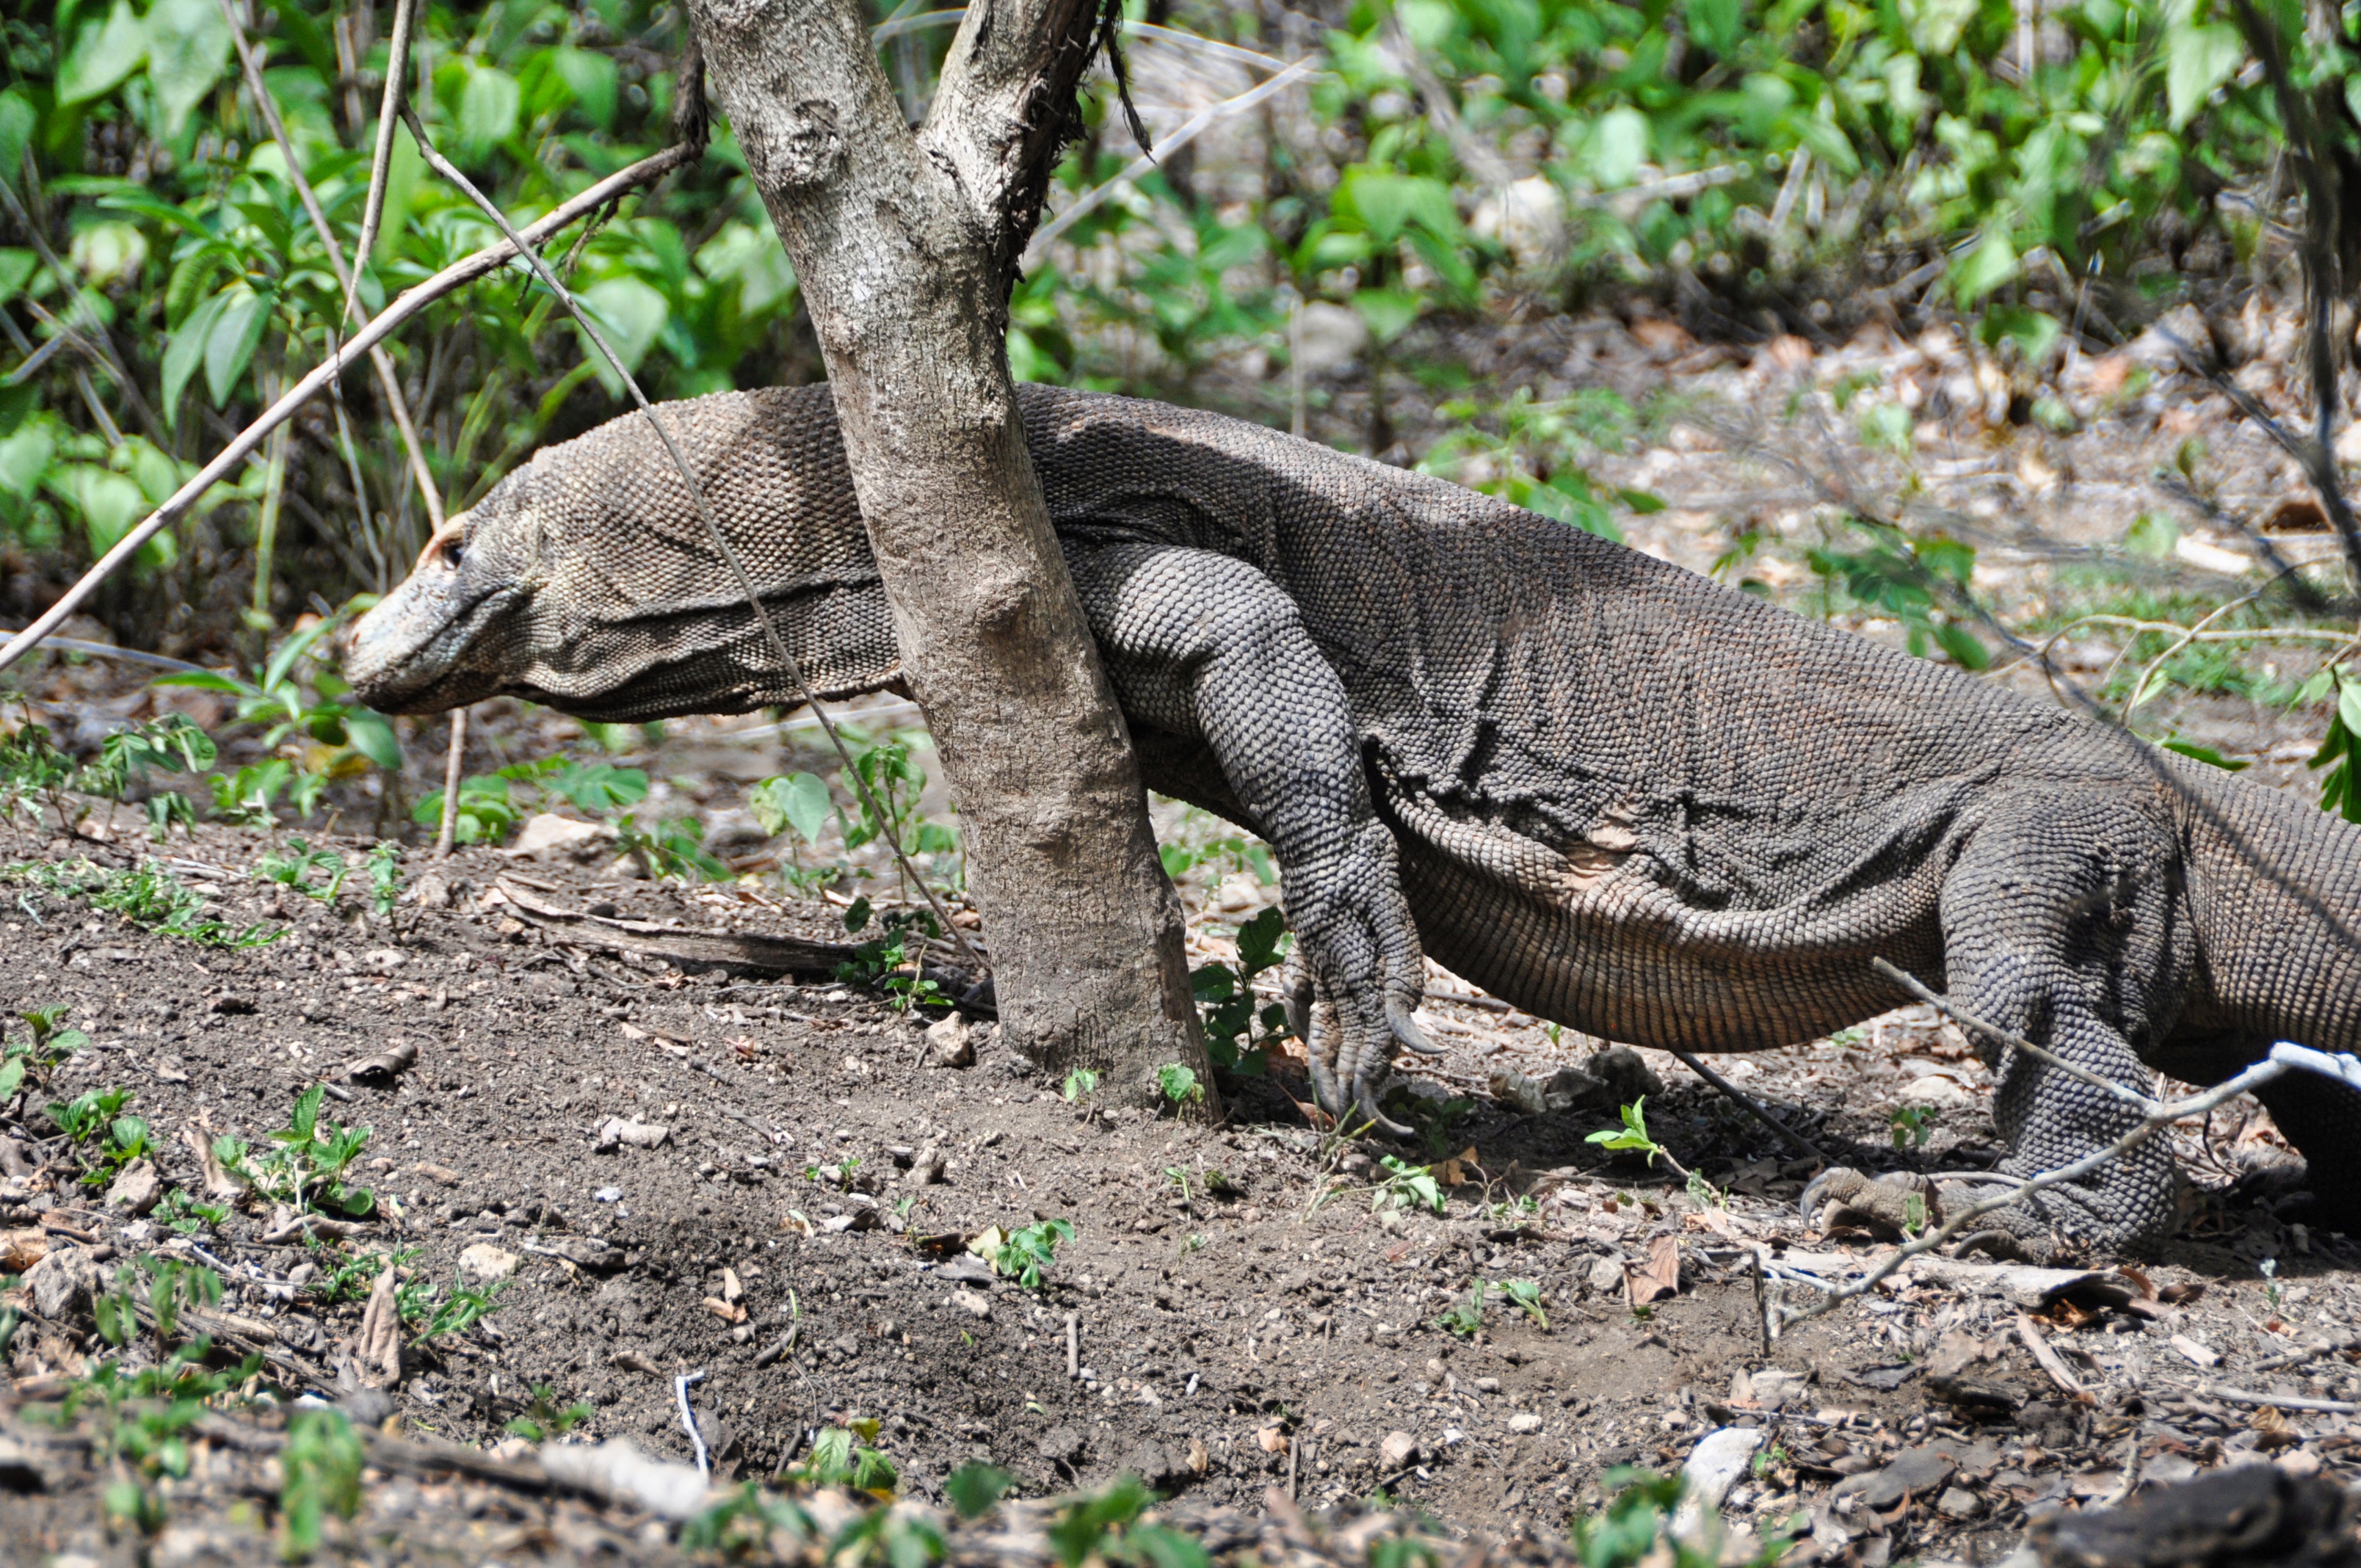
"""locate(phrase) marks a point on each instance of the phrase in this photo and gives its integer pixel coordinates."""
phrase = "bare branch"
(397, 66)
(456, 275)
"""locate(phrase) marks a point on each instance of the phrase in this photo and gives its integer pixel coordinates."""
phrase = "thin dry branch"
(456, 275)
(397, 66)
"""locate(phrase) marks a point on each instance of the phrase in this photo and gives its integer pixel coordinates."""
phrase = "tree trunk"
(906, 244)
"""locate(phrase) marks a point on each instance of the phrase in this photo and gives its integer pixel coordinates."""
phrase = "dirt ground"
(766, 1185)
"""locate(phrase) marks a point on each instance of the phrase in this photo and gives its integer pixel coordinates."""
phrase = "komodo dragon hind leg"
(2060, 927)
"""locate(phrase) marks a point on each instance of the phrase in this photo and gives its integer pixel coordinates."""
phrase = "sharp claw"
(1366, 1104)
(1808, 1204)
(1406, 1029)
(1324, 1088)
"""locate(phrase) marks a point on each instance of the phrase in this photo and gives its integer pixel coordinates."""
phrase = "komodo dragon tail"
(2275, 895)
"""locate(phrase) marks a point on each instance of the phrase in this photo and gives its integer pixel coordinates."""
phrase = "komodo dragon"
(1603, 788)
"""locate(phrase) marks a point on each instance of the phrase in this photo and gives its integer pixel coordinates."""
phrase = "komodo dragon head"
(586, 580)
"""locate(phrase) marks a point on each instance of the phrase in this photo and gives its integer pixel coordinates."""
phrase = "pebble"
(1524, 1421)
(1398, 1450)
(483, 1263)
(1713, 1467)
(137, 1189)
(1958, 1503)
(1605, 1276)
(953, 1042)
(974, 1303)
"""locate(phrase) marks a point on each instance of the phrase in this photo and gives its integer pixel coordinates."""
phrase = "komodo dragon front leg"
(1208, 651)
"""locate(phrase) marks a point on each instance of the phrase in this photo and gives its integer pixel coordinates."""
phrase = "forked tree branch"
(459, 275)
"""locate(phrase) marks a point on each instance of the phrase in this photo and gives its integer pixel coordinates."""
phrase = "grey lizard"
(1607, 790)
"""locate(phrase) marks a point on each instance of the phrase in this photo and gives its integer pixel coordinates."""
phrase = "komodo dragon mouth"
(424, 647)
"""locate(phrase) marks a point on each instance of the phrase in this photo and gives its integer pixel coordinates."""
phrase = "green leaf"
(488, 108)
(103, 53)
(2197, 60)
(1992, 263)
(799, 801)
(629, 314)
(186, 351)
(2205, 754)
(1389, 203)
(973, 1488)
(188, 50)
(1962, 646)
(1616, 147)
(373, 736)
(2152, 536)
(236, 331)
(591, 79)
(1716, 24)
(12, 1077)
(19, 120)
(1388, 312)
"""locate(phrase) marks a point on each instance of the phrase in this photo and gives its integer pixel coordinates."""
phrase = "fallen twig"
(2051, 1362)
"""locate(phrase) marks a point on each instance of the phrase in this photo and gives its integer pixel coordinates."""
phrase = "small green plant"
(33, 1057)
(142, 1419)
(544, 1419)
(1238, 1035)
(1179, 1084)
(351, 1278)
(799, 802)
(322, 735)
(895, 958)
(1774, 1457)
(321, 1475)
(1913, 1214)
(847, 1456)
(436, 1314)
(1913, 1125)
(974, 1489)
(1027, 1254)
(1107, 1524)
(1525, 1295)
(1463, 1318)
(1081, 1084)
(2342, 744)
(1407, 1186)
(1632, 1136)
(307, 1163)
(293, 866)
(738, 1525)
(890, 800)
(169, 744)
(97, 1117)
(186, 1215)
(149, 897)
(383, 868)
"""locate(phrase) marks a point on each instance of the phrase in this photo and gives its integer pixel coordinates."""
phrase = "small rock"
(1958, 1503)
(1935, 1091)
(1713, 1467)
(1776, 1391)
(1524, 1421)
(1398, 1450)
(1154, 1465)
(547, 834)
(483, 1263)
(616, 1130)
(1605, 1276)
(925, 1168)
(969, 1302)
(582, 1252)
(1063, 1444)
(951, 1042)
(62, 1282)
(1626, 1074)
(137, 1189)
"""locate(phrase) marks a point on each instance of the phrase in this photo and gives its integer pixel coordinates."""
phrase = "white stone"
(1524, 1421)
(483, 1264)
(1329, 338)
(1605, 1276)
(1398, 1450)
(1713, 1467)
(547, 833)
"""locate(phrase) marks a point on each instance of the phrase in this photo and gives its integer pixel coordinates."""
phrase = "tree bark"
(905, 244)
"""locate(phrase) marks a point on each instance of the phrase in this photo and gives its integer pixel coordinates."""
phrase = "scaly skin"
(1603, 788)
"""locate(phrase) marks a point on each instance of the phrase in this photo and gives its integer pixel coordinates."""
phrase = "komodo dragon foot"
(1908, 1204)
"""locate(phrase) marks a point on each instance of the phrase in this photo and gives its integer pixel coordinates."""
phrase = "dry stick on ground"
(1760, 1112)
(347, 278)
(788, 664)
(456, 275)
(2155, 1116)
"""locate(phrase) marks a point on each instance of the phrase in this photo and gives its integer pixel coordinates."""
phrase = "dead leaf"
(1273, 1440)
(19, 1250)
(378, 1346)
(1200, 1460)
(729, 1312)
(632, 1031)
(1659, 1276)
(218, 1181)
(2138, 1281)
(1460, 1168)
(441, 1175)
(797, 1222)
(2275, 1430)
(631, 1361)
(1716, 1220)
(732, 1290)
(398, 1058)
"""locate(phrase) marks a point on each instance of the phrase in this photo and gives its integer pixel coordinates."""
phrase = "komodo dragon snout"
(588, 581)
